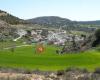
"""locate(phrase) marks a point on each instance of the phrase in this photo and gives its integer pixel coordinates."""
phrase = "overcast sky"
(83, 10)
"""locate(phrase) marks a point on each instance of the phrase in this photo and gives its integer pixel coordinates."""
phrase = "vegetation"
(66, 24)
(51, 21)
(26, 57)
(80, 33)
(9, 43)
(97, 41)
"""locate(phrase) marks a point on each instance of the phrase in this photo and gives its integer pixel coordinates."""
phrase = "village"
(56, 37)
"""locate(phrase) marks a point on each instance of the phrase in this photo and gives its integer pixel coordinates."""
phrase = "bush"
(97, 41)
(97, 70)
(97, 34)
(77, 69)
(60, 72)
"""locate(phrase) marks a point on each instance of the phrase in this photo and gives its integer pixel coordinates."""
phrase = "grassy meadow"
(26, 57)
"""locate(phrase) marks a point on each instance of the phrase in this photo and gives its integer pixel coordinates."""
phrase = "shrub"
(97, 70)
(60, 72)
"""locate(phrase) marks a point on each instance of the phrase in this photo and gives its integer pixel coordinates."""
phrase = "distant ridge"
(96, 22)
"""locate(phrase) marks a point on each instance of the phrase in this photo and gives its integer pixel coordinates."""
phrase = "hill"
(10, 18)
(58, 21)
(52, 21)
(66, 24)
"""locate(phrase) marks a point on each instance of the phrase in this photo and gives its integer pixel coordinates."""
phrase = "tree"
(97, 34)
(97, 41)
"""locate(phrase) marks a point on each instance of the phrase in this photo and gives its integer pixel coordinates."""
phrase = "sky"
(77, 10)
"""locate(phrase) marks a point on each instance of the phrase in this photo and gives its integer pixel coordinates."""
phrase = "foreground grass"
(25, 57)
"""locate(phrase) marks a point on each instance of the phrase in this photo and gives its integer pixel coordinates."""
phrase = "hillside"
(3, 24)
(66, 24)
(4, 27)
(10, 18)
(7, 31)
(58, 21)
(52, 21)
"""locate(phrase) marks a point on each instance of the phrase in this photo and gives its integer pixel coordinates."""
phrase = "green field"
(25, 57)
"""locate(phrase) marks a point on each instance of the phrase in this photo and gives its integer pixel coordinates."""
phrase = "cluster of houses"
(57, 37)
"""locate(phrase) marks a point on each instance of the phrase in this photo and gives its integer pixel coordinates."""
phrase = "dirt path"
(17, 46)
